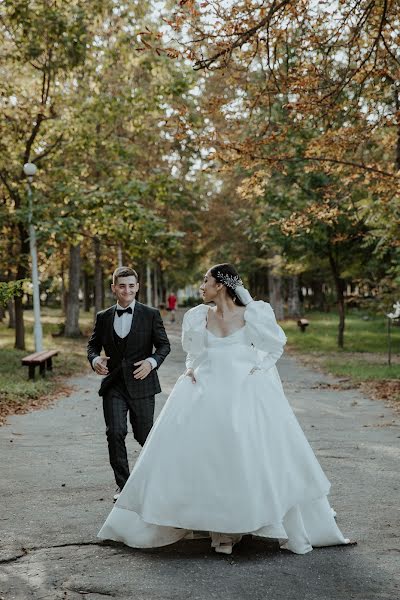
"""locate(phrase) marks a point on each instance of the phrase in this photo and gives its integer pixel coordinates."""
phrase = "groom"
(129, 332)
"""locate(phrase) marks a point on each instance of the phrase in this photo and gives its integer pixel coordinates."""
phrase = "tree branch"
(243, 38)
(49, 149)
(40, 117)
(335, 161)
(346, 80)
(13, 193)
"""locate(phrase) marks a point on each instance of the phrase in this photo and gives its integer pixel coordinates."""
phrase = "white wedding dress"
(227, 454)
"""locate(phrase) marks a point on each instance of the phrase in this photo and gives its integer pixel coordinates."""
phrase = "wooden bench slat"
(42, 359)
(41, 353)
(35, 355)
(39, 357)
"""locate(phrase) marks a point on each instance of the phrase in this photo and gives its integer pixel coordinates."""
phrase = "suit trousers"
(117, 403)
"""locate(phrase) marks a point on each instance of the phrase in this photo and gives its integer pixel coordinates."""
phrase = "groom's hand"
(101, 365)
(143, 369)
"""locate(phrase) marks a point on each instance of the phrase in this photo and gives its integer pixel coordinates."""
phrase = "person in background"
(172, 301)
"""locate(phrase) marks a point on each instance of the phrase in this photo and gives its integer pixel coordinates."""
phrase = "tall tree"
(42, 44)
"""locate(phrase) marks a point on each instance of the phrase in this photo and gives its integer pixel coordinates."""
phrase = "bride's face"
(210, 287)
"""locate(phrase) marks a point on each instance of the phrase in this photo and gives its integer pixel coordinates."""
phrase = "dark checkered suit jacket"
(147, 334)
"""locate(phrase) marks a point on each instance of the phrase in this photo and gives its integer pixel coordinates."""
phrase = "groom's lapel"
(110, 327)
(136, 319)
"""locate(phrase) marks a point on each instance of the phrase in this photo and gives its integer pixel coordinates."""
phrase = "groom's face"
(125, 290)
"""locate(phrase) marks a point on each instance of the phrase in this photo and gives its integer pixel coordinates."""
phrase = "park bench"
(42, 359)
(303, 324)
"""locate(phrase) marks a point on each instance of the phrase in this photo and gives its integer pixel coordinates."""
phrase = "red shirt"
(172, 301)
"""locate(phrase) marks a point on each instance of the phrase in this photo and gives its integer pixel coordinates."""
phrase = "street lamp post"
(30, 170)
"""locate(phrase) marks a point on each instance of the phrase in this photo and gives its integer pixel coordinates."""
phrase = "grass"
(364, 357)
(17, 393)
(360, 335)
(362, 370)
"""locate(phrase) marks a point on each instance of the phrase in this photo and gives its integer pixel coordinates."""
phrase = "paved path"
(56, 486)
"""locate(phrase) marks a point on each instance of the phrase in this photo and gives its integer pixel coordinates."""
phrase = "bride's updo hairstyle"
(226, 273)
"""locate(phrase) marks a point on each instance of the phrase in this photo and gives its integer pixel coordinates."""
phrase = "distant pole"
(30, 170)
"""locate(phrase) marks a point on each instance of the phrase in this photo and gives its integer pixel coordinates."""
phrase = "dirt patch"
(387, 390)
(20, 407)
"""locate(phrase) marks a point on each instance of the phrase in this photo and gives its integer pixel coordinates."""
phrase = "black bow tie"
(122, 311)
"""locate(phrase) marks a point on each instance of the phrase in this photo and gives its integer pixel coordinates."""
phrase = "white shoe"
(224, 548)
(116, 495)
(223, 543)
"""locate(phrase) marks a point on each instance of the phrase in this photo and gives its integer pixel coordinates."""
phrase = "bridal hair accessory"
(243, 295)
(235, 283)
(231, 281)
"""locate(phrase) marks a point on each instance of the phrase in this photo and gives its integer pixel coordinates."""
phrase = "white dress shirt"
(122, 326)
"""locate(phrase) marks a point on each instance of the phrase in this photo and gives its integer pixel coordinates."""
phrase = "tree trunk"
(72, 316)
(98, 277)
(275, 294)
(11, 314)
(155, 286)
(258, 283)
(319, 296)
(140, 268)
(103, 294)
(163, 286)
(341, 311)
(19, 324)
(64, 290)
(10, 305)
(148, 284)
(86, 292)
(22, 273)
(2, 308)
(294, 308)
(339, 285)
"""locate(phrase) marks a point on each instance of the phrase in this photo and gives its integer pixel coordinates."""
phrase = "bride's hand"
(190, 373)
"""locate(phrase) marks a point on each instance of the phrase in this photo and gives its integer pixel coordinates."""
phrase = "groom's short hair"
(124, 272)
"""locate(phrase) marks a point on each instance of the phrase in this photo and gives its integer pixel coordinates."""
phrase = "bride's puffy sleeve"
(193, 330)
(264, 332)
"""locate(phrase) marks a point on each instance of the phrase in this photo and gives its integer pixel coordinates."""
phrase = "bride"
(226, 456)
